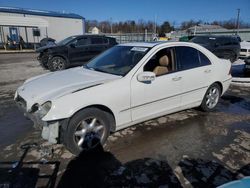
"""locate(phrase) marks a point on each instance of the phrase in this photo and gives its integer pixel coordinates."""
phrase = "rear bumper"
(226, 84)
(247, 66)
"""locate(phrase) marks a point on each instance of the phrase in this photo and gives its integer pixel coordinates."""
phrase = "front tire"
(211, 98)
(56, 63)
(87, 121)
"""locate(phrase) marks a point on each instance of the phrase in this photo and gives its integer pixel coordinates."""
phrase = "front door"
(162, 95)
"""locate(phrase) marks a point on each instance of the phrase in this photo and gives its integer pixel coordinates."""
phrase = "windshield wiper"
(86, 66)
(100, 70)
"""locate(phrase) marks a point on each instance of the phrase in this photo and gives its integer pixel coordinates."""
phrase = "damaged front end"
(51, 129)
(43, 59)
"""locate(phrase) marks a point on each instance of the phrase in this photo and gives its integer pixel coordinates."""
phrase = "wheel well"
(221, 86)
(103, 108)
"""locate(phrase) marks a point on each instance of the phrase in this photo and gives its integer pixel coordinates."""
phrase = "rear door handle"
(207, 71)
(176, 78)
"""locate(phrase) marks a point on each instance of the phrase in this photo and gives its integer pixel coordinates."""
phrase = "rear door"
(98, 45)
(195, 70)
(223, 47)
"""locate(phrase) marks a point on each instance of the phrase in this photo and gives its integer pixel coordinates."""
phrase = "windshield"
(65, 41)
(118, 60)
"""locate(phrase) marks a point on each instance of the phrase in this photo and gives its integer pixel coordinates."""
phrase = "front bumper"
(38, 122)
(43, 59)
(50, 130)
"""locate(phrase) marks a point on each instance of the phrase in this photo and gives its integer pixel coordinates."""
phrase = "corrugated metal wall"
(59, 28)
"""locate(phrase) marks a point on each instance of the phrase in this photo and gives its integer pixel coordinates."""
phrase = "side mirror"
(146, 77)
(72, 45)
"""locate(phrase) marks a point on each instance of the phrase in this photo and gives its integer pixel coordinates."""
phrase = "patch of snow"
(238, 62)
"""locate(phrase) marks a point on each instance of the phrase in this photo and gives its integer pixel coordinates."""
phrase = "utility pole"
(111, 27)
(238, 17)
(155, 24)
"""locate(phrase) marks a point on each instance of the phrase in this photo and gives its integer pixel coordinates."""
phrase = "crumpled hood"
(52, 85)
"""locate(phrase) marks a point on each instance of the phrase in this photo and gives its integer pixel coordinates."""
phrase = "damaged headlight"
(44, 109)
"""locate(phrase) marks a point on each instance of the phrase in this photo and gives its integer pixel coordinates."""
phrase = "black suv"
(226, 47)
(73, 51)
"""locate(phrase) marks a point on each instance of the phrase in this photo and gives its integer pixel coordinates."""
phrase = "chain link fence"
(131, 37)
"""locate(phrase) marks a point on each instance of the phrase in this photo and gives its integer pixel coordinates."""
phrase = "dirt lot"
(185, 149)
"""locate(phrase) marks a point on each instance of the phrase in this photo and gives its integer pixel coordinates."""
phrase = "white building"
(94, 30)
(33, 25)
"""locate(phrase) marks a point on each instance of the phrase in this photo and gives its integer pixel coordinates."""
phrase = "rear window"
(96, 40)
(187, 58)
(223, 41)
(112, 41)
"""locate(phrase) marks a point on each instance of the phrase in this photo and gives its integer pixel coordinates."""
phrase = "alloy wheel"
(58, 64)
(89, 126)
(212, 97)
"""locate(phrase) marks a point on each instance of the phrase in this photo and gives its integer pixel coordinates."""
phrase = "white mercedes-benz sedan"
(125, 85)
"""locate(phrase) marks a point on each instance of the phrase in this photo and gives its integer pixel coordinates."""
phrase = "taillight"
(230, 70)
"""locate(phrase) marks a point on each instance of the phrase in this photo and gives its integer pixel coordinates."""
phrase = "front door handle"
(207, 71)
(176, 78)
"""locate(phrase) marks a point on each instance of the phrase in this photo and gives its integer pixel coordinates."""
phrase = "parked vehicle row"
(73, 51)
(226, 47)
(125, 85)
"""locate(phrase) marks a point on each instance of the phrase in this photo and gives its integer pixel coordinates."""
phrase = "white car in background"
(244, 50)
(245, 54)
(125, 85)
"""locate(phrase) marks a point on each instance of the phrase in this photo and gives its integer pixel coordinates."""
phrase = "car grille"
(21, 101)
(243, 50)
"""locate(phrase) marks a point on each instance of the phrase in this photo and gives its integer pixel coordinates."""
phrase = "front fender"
(105, 95)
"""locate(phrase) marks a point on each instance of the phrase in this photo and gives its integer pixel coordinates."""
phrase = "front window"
(118, 60)
(66, 41)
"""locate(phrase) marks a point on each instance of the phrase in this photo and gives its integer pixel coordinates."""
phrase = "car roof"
(142, 44)
(90, 35)
(217, 36)
(156, 43)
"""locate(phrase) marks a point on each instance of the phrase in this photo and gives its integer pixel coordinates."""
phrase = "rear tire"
(87, 121)
(56, 63)
(211, 98)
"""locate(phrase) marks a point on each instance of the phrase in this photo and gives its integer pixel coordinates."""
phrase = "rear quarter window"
(203, 59)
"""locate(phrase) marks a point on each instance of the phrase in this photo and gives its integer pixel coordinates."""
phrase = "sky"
(174, 11)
